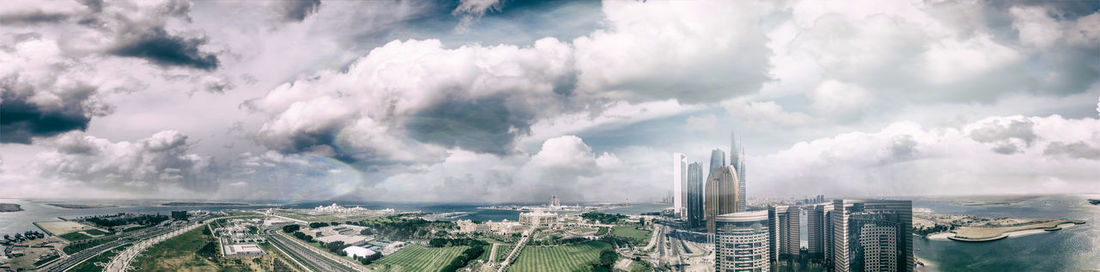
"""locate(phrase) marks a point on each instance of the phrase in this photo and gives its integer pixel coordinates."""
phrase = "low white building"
(353, 251)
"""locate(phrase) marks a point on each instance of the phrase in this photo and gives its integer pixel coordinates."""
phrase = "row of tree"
(122, 219)
(464, 259)
(446, 242)
(604, 218)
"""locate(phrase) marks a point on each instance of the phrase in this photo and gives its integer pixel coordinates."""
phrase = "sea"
(1075, 248)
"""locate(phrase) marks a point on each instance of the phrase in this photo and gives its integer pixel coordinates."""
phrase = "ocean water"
(1075, 248)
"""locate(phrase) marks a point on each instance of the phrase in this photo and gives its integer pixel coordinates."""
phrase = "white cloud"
(908, 159)
(691, 51)
(766, 113)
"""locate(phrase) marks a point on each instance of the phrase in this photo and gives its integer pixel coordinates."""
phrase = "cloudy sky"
(488, 101)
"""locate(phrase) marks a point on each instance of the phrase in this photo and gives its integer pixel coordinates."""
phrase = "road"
(304, 252)
(121, 262)
(79, 257)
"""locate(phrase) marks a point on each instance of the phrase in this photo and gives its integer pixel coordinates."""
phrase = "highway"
(304, 253)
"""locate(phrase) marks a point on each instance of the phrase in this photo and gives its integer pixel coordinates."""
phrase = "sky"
(515, 101)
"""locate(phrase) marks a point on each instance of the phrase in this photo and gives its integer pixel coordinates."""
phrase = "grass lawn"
(420, 258)
(602, 231)
(74, 236)
(95, 232)
(46, 260)
(559, 258)
(196, 250)
(77, 247)
(90, 264)
(638, 236)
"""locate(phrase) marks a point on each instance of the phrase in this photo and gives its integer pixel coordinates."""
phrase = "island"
(79, 206)
(175, 204)
(1094, 201)
(969, 228)
(8, 207)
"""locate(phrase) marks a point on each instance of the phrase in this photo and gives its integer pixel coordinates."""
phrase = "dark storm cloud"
(164, 49)
(298, 10)
(21, 119)
(1079, 150)
(485, 125)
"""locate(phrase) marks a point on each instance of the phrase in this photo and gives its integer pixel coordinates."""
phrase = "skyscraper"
(695, 194)
(818, 230)
(873, 235)
(737, 160)
(741, 242)
(679, 165)
(721, 192)
(785, 229)
(717, 159)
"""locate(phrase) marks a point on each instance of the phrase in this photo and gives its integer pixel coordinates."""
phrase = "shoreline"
(1016, 233)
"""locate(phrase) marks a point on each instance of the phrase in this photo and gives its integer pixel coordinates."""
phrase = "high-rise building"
(785, 231)
(721, 194)
(741, 242)
(737, 160)
(679, 174)
(872, 235)
(717, 159)
(818, 230)
(695, 195)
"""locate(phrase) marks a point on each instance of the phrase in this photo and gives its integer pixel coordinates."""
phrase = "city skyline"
(501, 101)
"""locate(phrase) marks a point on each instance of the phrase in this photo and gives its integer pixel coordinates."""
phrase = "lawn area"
(77, 247)
(420, 258)
(46, 260)
(89, 265)
(559, 258)
(638, 236)
(95, 232)
(74, 236)
(602, 231)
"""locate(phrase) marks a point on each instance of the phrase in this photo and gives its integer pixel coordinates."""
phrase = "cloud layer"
(447, 102)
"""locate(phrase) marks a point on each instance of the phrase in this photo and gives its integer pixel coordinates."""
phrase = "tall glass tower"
(737, 160)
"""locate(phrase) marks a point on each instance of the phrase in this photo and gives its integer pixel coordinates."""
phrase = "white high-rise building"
(679, 176)
(737, 160)
(741, 242)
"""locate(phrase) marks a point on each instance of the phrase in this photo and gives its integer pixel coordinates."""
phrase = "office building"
(741, 242)
(737, 160)
(872, 235)
(679, 174)
(721, 194)
(695, 195)
(819, 231)
(785, 229)
(717, 159)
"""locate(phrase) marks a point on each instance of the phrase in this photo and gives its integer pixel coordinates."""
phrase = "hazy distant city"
(546, 136)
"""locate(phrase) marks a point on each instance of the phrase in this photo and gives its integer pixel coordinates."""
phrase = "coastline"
(1015, 233)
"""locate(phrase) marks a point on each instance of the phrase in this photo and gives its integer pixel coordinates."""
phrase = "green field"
(77, 247)
(89, 265)
(95, 232)
(197, 250)
(638, 236)
(74, 236)
(559, 258)
(420, 258)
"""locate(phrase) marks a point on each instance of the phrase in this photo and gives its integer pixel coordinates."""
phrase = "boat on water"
(1094, 201)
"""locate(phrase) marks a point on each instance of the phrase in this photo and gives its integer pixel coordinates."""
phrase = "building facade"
(737, 160)
(785, 230)
(695, 217)
(721, 194)
(741, 242)
(679, 175)
(872, 235)
(818, 231)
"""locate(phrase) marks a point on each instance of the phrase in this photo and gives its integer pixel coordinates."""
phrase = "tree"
(291, 228)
